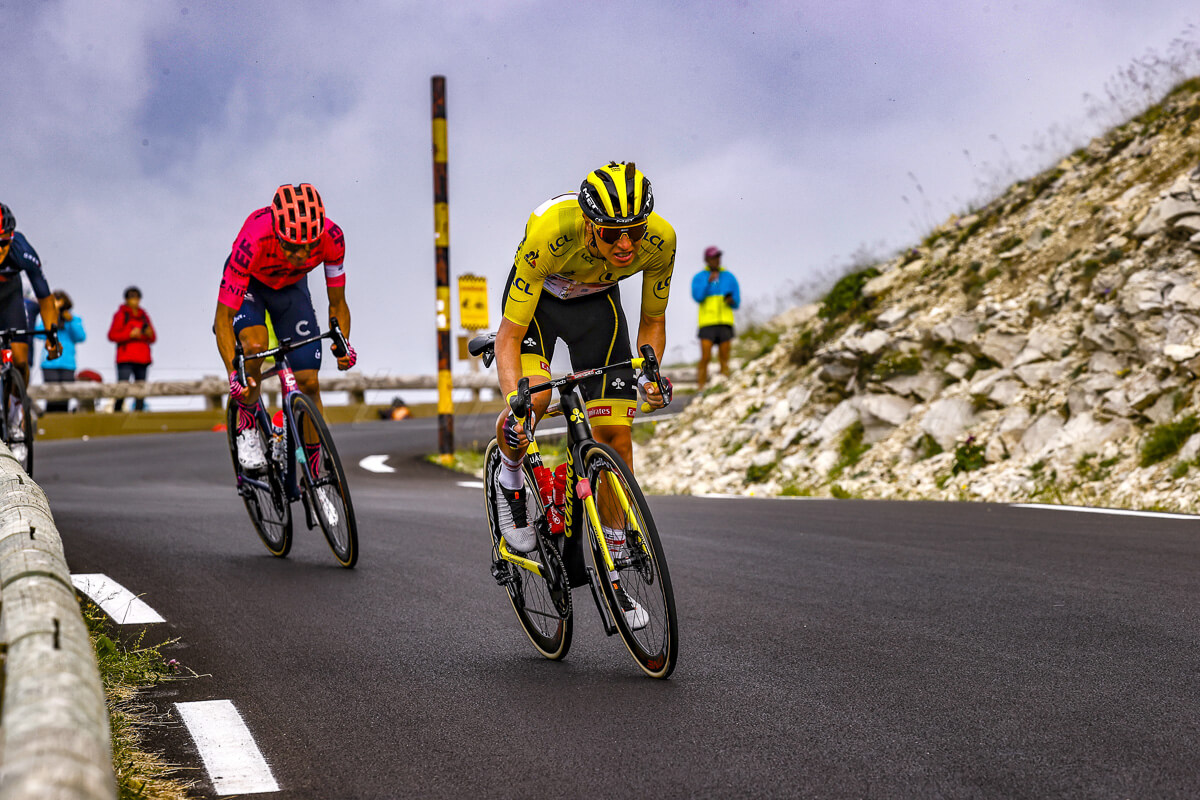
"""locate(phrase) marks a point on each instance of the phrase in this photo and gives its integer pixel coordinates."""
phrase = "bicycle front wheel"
(539, 606)
(638, 593)
(20, 436)
(324, 481)
(263, 491)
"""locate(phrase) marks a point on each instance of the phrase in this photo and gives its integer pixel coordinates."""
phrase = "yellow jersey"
(553, 257)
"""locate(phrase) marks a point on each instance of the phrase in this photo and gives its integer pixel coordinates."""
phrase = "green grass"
(846, 298)
(850, 450)
(1164, 441)
(127, 669)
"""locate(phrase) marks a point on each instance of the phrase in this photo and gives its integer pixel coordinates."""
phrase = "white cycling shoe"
(250, 450)
(635, 616)
(514, 525)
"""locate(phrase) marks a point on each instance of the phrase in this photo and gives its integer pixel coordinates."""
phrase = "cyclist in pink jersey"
(265, 273)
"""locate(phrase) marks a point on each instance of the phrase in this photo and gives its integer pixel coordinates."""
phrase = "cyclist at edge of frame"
(17, 256)
(267, 271)
(564, 285)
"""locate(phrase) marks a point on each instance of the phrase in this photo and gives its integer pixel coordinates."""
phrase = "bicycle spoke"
(544, 614)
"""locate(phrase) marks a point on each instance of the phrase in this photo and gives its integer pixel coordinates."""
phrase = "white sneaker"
(514, 525)
(250, 450)
(635, 616)
(328, 509)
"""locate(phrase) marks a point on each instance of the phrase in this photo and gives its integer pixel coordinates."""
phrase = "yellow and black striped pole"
(441, 242)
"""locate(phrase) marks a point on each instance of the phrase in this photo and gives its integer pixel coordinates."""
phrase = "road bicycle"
(593, 489)
(18, 438)
(302, 462)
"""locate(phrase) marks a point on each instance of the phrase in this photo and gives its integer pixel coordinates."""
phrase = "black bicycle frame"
(287, 379)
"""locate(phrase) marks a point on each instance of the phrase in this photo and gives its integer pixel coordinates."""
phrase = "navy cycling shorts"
(292, 317)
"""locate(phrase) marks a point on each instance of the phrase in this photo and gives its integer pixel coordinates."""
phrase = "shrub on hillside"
(1164, 441)
(846, 297)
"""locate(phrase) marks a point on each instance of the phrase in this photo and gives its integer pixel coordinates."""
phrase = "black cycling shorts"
(596, 334)
(717, 334)
(12, 308)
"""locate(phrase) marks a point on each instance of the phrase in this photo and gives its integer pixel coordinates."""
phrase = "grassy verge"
(126, 670)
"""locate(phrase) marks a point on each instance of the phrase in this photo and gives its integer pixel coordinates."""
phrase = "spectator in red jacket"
(133, 332)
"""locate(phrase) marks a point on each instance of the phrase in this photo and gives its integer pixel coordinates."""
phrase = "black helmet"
(9, 223)
(616, 195)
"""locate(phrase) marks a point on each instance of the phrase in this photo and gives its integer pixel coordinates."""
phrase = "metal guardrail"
(54, 733)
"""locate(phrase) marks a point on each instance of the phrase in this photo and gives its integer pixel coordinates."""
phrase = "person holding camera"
(133, 332)
(70, 334)
(717, 292)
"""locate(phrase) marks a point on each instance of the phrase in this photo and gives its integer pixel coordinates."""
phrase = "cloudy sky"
(138, 135)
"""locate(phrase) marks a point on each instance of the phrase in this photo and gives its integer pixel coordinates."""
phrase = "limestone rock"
(946, 420)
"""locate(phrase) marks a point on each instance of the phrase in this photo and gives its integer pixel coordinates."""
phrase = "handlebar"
(521, 400)
(286, 346)
(51, 334)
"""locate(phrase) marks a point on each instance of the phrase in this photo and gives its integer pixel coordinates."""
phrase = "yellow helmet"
(616, 195)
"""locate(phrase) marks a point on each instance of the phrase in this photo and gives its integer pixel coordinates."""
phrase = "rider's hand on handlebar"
(236, 390)
(349, 360)
(514, 433)
(655, 395)
(53, 349)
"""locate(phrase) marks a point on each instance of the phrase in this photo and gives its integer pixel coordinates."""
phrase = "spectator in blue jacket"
(70, 333)
(717, 292)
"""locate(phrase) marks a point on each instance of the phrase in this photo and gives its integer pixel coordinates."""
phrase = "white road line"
(375, 464)
(117, 601)
(1114, 511)
(234, 763)
(471, 484)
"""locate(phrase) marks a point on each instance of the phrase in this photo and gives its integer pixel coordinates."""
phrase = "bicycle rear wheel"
(543, 609)
(21, 435)
(641, 568)
(263, 491)
(324, 481)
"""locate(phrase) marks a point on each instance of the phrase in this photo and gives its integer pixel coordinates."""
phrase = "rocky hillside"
(1045, 347)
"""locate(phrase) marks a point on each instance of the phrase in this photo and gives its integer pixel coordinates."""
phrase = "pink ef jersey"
(257, 254)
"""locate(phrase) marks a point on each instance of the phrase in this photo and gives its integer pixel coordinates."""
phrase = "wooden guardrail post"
(54, 734)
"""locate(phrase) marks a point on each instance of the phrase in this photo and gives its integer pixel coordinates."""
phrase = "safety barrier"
(54, 733)
(216, 389)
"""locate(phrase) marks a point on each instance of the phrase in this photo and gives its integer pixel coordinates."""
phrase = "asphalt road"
(828, 648)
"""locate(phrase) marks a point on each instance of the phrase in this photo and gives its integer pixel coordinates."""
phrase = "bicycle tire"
(334, 509)
(14, 387)
(643, 574)
(538, 605)
(269, 509)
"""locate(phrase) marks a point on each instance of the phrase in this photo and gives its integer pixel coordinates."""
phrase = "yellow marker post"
(441, 242)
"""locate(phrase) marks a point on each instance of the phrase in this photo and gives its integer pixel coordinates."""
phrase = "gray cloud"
(138, 136)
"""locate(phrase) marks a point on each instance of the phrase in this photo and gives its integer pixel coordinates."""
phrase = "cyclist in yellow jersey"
(563, 284)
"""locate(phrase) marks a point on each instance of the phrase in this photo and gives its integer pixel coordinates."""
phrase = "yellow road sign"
(473, 302)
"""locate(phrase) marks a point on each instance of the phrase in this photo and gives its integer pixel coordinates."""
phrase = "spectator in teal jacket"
(70, 333)
(717, 292)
